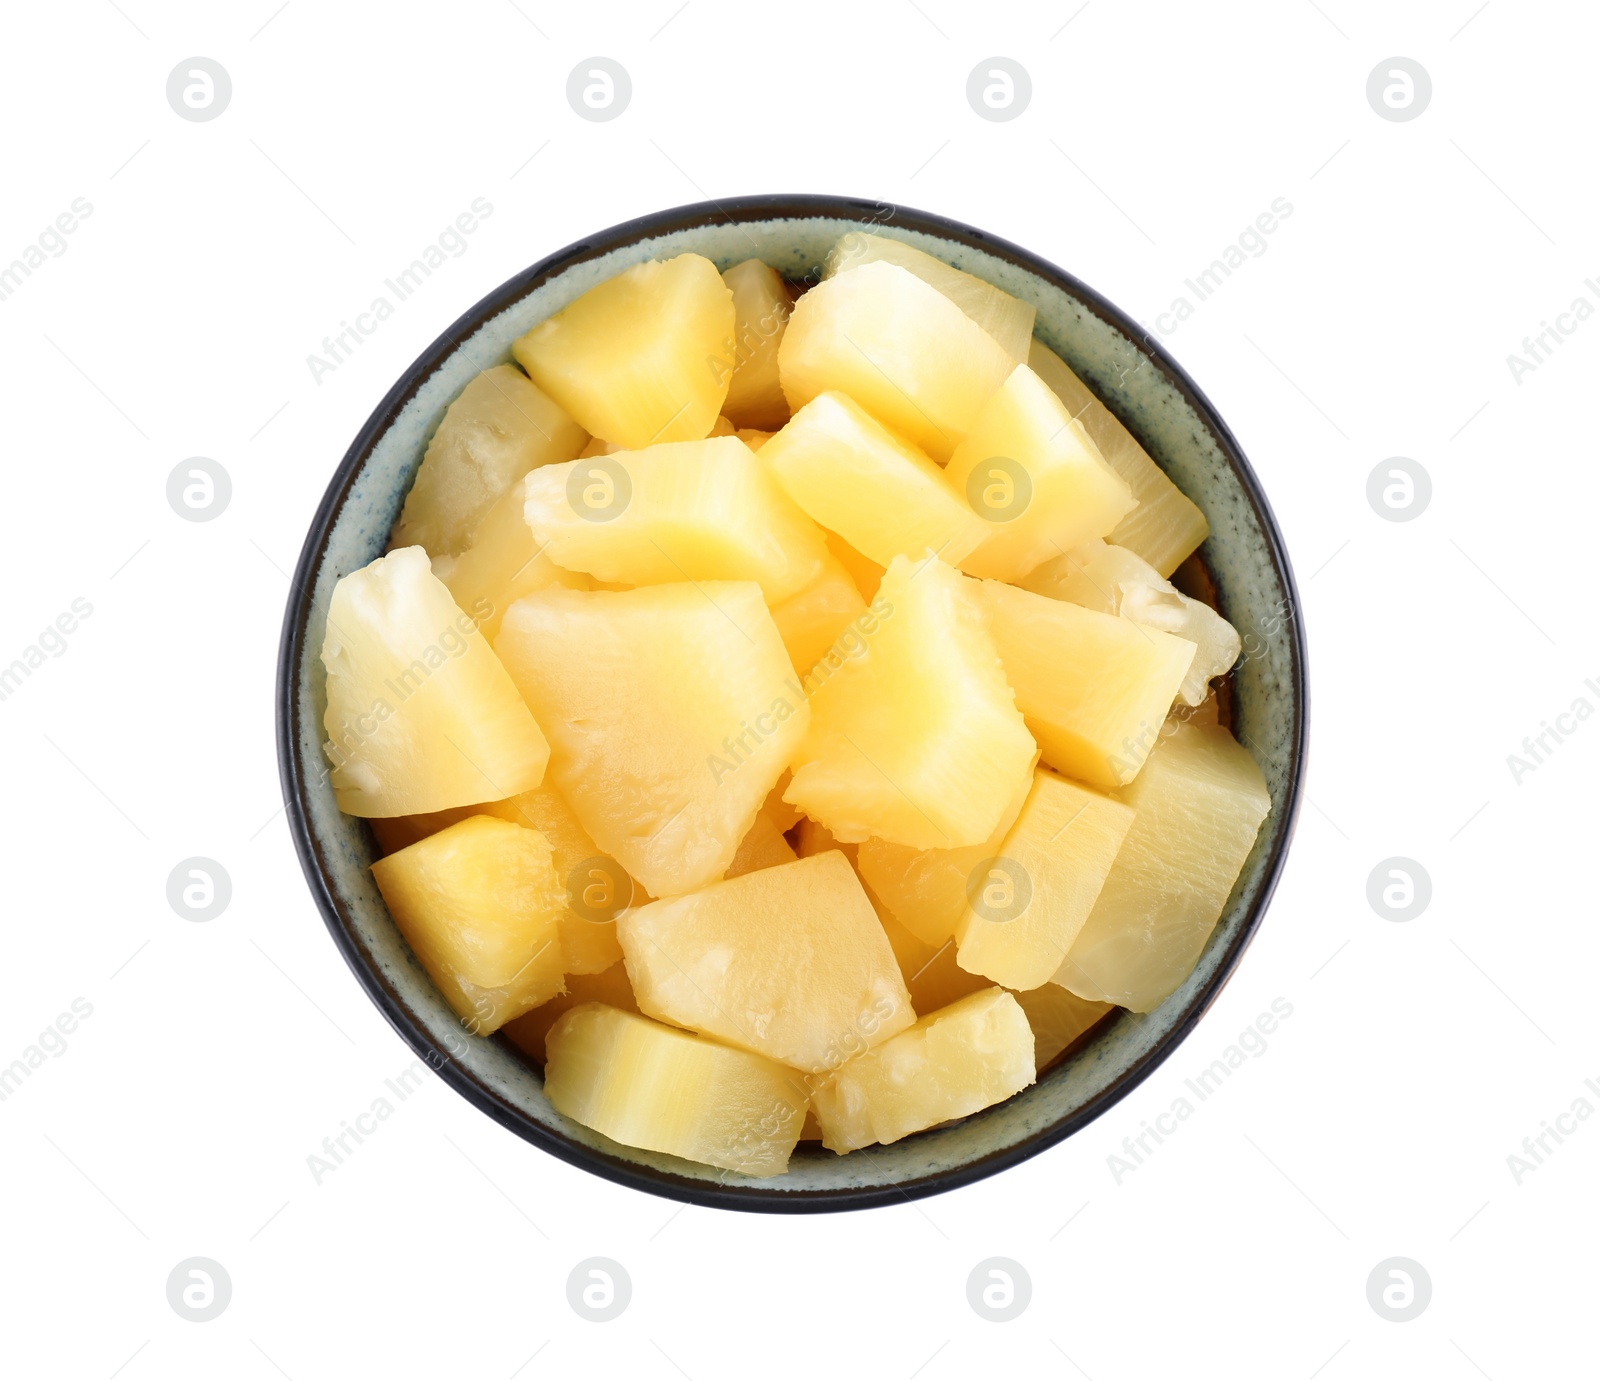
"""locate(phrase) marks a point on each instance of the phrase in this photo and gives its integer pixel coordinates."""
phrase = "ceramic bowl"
(1131, 374)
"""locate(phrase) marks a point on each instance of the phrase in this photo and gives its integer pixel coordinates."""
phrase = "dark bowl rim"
(297, 614)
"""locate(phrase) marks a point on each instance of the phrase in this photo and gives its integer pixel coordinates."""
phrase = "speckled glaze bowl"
(1134, 377)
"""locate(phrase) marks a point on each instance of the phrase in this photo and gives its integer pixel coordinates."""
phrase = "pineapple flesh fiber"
(421, 716)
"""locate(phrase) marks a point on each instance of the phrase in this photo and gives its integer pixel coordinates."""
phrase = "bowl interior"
(1153, 399)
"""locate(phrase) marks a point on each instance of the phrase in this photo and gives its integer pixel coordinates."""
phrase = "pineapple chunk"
(642, 357)
(868, 575)
(1057, 1017)
(875, 489)
(499, 427)
(420, 715)
(503, 563)
(1026, 906)
(900, 348)
(916, 740)
(1165, 526)
(686, 510)
(1113, 580)
(1008, 319)
(1095, 689)
(671, 709)
(647, 1085)
(926, 889)
(953, 1062)
(1199, 805)
(611, 987)
(479, 904)
(789, 962)
(763, 846)
(1035, 478)
(754, 438)
(818, 617)
(761, 307)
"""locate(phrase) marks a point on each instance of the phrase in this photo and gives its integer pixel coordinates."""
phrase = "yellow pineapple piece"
(479, 904)
(754, 438)
(821, 616)
(1057, 1017)
(761, 307)
(1035, 478)
(686, 510)
(916, 740)
(641, 358)
(421, 716)
(789, 961)
(926, 889)
(763, 846)
(611, 987)
(1113, 580)
(503, 563)
(1026, 905)
(954, 1062)
(867, 574)
(1008, 319)
(874, 489)
(900, 348)
(1095, 689)
(1199, 805)
(1165, 526)
(499, 427)
(671, 711)
(648, 1085)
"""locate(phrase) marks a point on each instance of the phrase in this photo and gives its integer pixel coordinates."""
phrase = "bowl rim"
(293, 775)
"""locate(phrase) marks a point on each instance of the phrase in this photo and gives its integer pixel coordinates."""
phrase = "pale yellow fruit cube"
(479, 904)
(900, 348)
(954, 1062)
(499, 427)
(641, 358)
(824, 615)
(788, 961)
(421, 716)
(651, 1086)
(1026, 905)
(1198, 804)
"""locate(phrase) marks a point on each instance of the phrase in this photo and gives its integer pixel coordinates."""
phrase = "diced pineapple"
(761, 307)
(1035, 478)
(788, 961)
(915, 740)
(867, 574)
(503, 563)
(900, 348)
(1026, 905)
(642, 357)
(647, 1085)
(611, 987)
(597, 887)
(813, 619)
(499, 427)
(1199, 805)
(479, 904)
(1057, 1017)
(926, 889)
(1113, 580)
(874, 489)
(755, 439)
(953, 1062)
(686, 510)
(671, 709)
(420, 715)
(1095, 689)
(1008, 319)
(1165, 526)
(763, 846)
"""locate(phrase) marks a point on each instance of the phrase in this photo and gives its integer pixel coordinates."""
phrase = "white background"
(1378, 1122)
